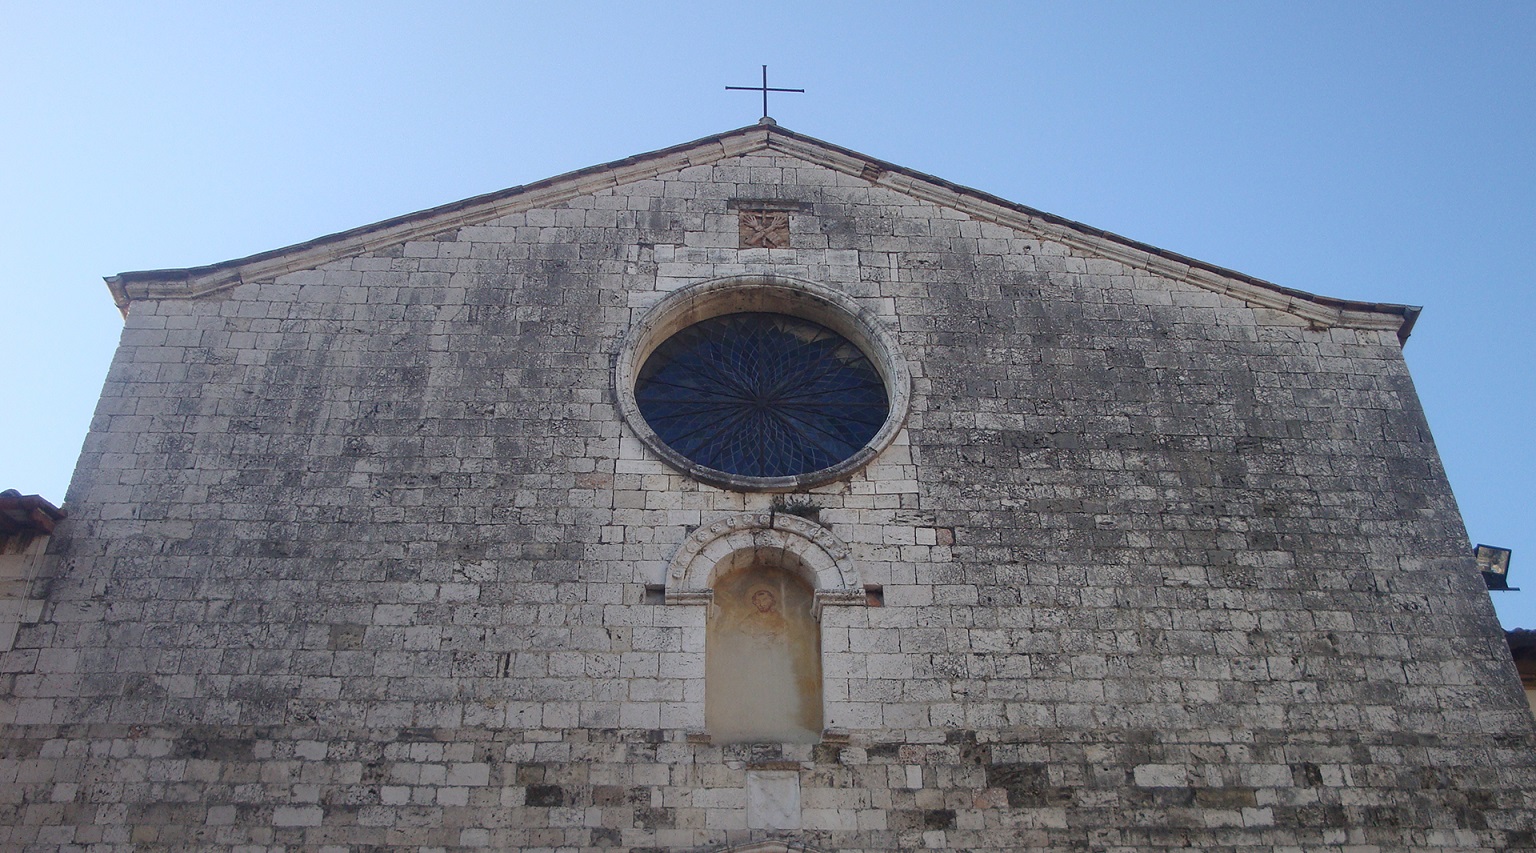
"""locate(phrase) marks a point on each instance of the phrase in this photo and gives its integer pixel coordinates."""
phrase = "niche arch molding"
(793, 544)
(772, 847)
(770, 294)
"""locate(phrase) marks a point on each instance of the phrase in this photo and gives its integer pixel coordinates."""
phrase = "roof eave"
(188, 282)
(29, 514)
(1334, 309)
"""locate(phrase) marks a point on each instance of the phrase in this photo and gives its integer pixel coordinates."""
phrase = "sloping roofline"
(128, 287)
(21, 513)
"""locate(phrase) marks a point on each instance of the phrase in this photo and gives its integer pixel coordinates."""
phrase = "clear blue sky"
(1374, 151)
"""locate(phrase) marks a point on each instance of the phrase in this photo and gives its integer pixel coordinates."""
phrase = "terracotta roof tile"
(27, 513)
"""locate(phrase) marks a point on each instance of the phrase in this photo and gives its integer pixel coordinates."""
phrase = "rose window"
(761, 395)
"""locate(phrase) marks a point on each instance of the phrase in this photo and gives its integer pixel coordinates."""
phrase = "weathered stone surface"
(358, 557)
(773, 799)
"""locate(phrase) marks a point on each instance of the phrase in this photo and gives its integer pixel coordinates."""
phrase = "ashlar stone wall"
(359, 557)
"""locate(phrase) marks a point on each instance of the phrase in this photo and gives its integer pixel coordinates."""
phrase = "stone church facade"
(385, 541)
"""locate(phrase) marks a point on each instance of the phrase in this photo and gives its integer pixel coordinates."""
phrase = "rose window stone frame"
(764, 294)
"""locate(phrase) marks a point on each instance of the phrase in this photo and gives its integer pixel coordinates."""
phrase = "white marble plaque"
(773, 799)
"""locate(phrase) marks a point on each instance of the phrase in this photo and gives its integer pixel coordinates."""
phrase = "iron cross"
(764, 89)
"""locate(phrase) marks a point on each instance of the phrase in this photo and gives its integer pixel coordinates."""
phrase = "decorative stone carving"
(764, 229)
(803, 548)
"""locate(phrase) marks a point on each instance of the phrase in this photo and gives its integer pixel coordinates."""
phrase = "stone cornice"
(1320, 310)
(193, 282)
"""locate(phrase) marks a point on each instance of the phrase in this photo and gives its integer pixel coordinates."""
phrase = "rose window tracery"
(761, 395)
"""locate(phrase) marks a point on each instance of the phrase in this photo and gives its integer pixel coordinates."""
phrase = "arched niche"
(761, 580)
(762, 653)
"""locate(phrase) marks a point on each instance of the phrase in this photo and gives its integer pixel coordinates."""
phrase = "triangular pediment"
(1318, 310)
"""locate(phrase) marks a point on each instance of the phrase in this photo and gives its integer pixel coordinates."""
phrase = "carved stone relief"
(764, 229)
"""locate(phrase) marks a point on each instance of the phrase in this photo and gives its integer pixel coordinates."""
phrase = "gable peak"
(764, 134)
